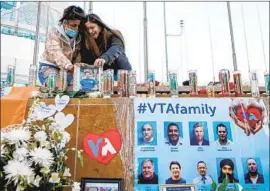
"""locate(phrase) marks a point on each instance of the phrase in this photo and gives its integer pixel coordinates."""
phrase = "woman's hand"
(70, 67)
(80, 64)
(259, 125)
(99, 62)
(243, 125)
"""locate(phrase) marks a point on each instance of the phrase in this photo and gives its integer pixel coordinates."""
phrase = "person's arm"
(258, 126)
(259, 123)
(78, 58)
(243, 125)
(55, 51)
(116, 49)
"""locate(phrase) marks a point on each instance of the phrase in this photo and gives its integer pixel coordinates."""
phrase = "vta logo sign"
(108, 147)
(249, 116)
(103, 148)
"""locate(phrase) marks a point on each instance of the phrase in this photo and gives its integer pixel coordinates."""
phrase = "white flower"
(45, 144)
(16, 170)
(66, 137)
(20, 154)
(3, 150)
(76, 186)
(66, 172)
(45, 170)
(19, 188)
(40, 136)
(32, 117)
(3, 136)
(30, 179)
(54, 178)
(41, 156)
(55, 126)
(37, 180)
(24, 145)
(18, 136)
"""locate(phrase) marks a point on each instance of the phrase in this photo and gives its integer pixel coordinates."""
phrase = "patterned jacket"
(59, 50)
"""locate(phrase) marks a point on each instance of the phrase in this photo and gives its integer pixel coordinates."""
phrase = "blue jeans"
(120, 63)
(43, 67)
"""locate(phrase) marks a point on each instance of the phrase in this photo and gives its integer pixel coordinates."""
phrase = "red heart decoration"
(257, 113)
(241, 111)
(253, 113)
(103, 148)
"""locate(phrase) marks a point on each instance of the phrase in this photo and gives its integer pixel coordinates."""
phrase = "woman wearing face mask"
(62, 48)
(102, 46)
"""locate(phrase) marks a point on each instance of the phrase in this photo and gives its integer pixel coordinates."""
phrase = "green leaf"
(226, 180)
(224, 183)
(213, 185)
(221, 187)
(71, 94)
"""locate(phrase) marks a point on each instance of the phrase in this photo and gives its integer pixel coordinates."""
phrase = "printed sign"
(103, 148)
(198, 141)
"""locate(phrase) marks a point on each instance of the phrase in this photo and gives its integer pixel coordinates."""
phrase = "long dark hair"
(106, 31)
(72, 13)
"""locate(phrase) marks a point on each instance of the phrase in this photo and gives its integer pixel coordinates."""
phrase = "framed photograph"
(178, 187)
(87, 78)
(102, 184)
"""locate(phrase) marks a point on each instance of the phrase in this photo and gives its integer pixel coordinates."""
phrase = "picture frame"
(178, 187)
(87, 78)
(97, 184)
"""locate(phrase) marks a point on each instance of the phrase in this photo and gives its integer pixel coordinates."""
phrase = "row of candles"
(224, 79)
(126, 82)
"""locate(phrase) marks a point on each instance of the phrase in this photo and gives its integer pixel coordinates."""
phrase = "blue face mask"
(71, 33)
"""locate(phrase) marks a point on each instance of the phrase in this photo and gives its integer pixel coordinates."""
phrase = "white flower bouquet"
(33, 156)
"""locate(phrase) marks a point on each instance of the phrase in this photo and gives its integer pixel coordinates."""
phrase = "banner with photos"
(199, 141)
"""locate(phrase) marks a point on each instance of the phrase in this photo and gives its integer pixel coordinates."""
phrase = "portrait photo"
(198, 133)
(87, 79)
(227, 166)
(102, 184)
(202, 178)
(173, 133)
(147, 170)
(176, 175)
(147, 133)
(222, 133)
(253, 172)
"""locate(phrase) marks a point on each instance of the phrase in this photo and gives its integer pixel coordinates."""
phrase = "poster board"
(247, 134)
